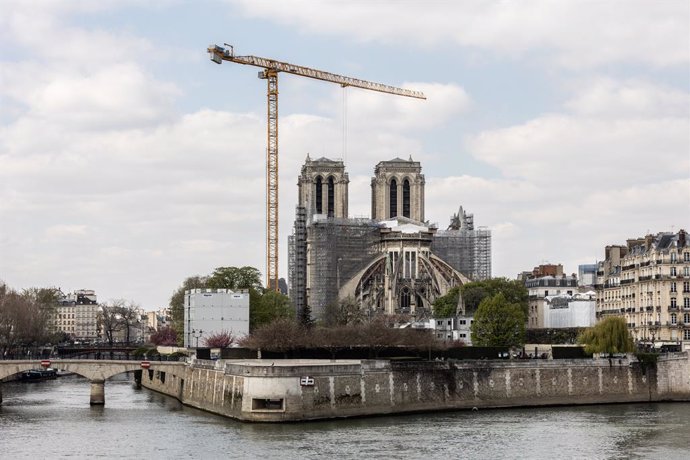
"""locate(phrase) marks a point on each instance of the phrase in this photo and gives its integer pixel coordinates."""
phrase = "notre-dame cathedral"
(394, 262)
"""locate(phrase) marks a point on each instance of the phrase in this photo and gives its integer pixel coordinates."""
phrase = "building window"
(319, 195)
(406, 198)
(331, 197)
(393, 194)
(686, 257)
(674, 257)
(673, 287)
(686, 286)
(686, 302)
(674, 318)
(686, 334)
(686, 271)
(405, 300)
(673, 271)
(673, 303)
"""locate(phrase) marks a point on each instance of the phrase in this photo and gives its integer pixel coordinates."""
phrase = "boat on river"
(37, 375)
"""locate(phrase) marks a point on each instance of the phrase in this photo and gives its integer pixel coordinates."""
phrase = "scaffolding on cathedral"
(338, 249)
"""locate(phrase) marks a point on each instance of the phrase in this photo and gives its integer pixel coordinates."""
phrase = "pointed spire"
(410, 157)
(308, 157)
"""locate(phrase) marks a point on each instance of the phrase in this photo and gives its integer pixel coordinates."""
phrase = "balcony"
(645, 278)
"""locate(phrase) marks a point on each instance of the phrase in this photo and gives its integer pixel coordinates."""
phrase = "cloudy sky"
(129, 161)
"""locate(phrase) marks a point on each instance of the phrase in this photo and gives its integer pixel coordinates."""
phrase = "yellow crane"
(270, 71)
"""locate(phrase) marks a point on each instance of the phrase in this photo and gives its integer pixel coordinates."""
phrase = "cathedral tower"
(397, 190)
(323, 188)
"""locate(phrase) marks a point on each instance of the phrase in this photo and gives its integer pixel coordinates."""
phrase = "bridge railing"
(115, 355)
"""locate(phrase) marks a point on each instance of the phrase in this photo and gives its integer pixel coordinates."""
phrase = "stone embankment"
(295, 390)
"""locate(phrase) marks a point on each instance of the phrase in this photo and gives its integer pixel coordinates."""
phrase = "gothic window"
(393, 198)
(319, 195)
(406, 198)
(405, 299)
(331, 197)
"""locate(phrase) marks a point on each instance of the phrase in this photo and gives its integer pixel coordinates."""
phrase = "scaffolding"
(297, 261)
(467, 251)
(338, 250)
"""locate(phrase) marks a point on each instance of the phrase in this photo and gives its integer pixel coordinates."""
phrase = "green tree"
(447, 305)
(514, 291)
(609, 336)
(268, 307)
(235, 278)
(498, 323)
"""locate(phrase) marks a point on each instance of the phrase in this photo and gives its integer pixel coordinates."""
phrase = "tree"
(447, 305)
(235, 278)
(609, 336)
(165, 336)
(268, 307)
(305, 317)
(498, 323)
(109, 322)
(343, 312)
(222, 339)
(23, 322)
(281, 335)
(514, 292)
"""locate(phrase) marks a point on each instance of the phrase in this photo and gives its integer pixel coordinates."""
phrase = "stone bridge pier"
(97, 393)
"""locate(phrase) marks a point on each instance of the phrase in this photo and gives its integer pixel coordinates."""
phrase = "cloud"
(614, 130)
(575, 33)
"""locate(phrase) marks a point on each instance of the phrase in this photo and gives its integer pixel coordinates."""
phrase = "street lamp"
(196, 335)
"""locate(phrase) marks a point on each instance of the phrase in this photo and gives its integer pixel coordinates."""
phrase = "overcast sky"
(129, 161)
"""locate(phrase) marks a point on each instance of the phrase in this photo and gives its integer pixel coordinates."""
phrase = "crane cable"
(344, 120)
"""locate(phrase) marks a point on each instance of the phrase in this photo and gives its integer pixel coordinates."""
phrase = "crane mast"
(270, 71)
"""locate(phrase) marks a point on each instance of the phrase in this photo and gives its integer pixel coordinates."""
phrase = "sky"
(129, 161)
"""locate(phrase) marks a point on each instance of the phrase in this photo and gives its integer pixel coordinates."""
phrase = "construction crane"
(270, 71)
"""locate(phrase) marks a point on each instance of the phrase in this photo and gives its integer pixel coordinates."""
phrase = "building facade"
(577, 310)
(540, 286)
(388, 264)
(214, 311)
(647, 282)
(76, 314)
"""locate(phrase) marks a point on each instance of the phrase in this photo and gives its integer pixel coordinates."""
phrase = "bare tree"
(22, 322)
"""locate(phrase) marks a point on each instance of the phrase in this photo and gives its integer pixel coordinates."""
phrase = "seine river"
(53, 420)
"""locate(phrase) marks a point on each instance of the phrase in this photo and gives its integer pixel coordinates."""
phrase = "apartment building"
(647, 281)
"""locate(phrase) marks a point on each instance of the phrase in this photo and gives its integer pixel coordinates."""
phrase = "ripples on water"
(54, 420)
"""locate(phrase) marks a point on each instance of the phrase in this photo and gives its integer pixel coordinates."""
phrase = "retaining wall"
(293, 390)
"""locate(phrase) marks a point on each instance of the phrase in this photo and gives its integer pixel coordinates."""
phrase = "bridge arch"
(96, 371)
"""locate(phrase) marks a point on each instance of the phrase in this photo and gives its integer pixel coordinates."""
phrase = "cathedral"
(391, 263)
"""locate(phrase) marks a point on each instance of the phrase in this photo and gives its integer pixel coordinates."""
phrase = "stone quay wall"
(295, 390)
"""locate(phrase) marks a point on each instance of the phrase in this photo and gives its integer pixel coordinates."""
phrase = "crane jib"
(219, 53)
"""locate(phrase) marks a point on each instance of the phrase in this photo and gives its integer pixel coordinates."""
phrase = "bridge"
(96, 371)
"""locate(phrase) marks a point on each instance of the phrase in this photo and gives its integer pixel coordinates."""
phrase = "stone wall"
(293, 390)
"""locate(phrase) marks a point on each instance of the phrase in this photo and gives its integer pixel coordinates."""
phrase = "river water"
(53, 419)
